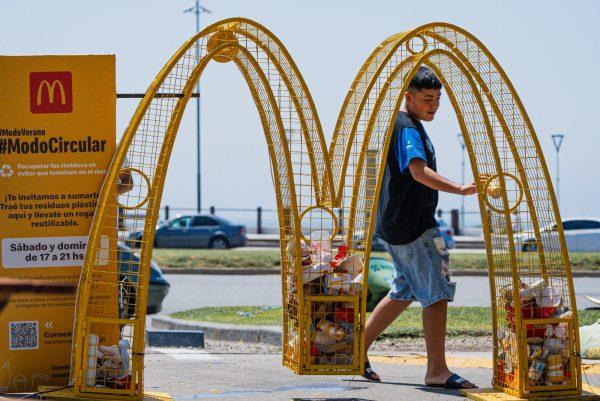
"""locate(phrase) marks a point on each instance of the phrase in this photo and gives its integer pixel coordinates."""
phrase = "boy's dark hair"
(424, 79)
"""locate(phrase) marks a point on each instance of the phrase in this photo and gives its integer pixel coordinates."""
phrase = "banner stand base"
(589, 393)
(67, 395)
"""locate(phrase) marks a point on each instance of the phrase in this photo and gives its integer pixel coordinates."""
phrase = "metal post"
(340, 221)
(259, 220)
(197, 10)
(198, 167)
(454, 220)
(461, 140)
(212, 210)
(558, 140)
(166, 212)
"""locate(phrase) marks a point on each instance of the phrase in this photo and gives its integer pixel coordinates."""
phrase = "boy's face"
(423, 104)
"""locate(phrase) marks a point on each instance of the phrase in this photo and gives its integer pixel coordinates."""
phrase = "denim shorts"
(422, 270)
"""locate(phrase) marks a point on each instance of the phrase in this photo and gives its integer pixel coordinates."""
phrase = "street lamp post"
(461, 140)
(558, 140)
(197, 9)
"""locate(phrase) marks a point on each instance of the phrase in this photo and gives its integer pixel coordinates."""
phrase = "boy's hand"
(468, 189)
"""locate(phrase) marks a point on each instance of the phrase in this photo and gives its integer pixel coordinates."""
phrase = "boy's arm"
(426, 176)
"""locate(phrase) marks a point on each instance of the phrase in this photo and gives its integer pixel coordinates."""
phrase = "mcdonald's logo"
(50, 92)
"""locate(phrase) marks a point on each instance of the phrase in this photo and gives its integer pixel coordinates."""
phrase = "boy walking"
(406, 222)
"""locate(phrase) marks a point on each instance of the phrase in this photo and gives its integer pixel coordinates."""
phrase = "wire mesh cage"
(109, 341)
(327, 201)
(535, 327)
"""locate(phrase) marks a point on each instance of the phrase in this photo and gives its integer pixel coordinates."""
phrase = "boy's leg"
(434, 325)
(386, 311)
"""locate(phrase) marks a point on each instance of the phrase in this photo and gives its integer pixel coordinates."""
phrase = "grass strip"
(462, 320)
(231, 258)
(269, 259)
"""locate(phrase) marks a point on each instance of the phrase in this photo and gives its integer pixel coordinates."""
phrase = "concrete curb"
(175, 338)
(223, 332)
(260, 272)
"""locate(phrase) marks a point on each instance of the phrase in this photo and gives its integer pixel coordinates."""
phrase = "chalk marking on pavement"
(186, 354)
(457, 362)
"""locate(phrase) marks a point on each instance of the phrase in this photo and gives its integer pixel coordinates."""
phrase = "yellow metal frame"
(334, 219)
(498, 135)
(478, 90)
(147, 182)
(486, 193)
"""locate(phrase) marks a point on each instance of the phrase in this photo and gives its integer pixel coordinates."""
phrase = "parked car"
(197, 231)
(447, 233)
(128, 277)
(582, 234)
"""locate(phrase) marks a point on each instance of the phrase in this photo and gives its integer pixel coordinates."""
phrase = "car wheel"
(219, 243)
(529, 247)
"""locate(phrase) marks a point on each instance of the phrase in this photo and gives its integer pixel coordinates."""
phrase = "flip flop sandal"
(369, 374)
(454, 382)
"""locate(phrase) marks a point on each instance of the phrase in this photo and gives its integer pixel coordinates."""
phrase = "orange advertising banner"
(57, 138)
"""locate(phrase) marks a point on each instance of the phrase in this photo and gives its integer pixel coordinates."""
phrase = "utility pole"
(197, 9)
(558, 140)
(463, 146)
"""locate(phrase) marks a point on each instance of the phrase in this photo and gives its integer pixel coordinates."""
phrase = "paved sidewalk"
(250, 376)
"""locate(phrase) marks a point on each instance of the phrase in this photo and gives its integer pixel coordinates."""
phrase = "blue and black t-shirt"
(406, 207)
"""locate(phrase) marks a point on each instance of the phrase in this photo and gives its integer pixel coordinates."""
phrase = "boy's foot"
(454, 382)
(369, 374)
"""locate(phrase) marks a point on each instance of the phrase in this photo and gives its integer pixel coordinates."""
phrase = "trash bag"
(590, 341)
(381, 275)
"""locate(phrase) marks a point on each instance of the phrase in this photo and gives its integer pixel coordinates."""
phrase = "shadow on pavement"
(421, 387)
(330, 399)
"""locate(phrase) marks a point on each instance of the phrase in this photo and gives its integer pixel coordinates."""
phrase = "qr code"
(24, 335)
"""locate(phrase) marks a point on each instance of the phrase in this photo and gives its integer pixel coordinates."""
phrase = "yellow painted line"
(591, 369)
(590, 389)
(452, 361)
(455, 362)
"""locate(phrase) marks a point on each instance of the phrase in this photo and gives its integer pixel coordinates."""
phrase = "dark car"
(377, 244)
(128, 277)
(198, 231)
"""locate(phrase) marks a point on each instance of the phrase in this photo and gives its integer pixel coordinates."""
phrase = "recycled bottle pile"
(549, 353)
(333, 324)
(108, 366)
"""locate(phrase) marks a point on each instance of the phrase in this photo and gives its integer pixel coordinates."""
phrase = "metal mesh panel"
(326, 206)
(297, 152)
(532, 293)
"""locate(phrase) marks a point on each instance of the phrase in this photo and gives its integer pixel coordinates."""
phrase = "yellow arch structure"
(513, 182)
(298, 157)
(515, 190)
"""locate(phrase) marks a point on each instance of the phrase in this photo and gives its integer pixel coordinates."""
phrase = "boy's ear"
(407, 96)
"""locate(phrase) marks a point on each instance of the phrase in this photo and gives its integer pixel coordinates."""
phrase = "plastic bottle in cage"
(331, 329)
(554, 370)
(90, 376)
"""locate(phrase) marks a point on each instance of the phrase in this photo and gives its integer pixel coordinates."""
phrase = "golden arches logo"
(51, 92)
(50, 89)
(340, 183)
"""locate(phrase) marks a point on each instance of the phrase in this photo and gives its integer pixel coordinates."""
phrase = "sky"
(549, 49)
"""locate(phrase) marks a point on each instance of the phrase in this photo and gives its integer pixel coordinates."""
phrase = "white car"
(582, 234)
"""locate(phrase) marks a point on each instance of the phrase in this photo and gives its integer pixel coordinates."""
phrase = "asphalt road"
(194, 291)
